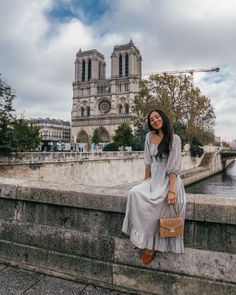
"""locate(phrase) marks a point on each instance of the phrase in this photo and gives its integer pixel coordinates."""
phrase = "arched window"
(126, 108)
(82, 112)
(120, 66)
(120, 108)
(89, 69)
(126, 65)
(88, 111)
(83, 70)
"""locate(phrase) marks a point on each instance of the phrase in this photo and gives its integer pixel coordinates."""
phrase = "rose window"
(104, 106)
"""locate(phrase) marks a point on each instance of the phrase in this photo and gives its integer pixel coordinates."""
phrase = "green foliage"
(124, 135)
(15, 134)
(196, 149)
(6, 116)
(139, 137)
(96, 136)
(25, 136)
(182, 102)
(205, 137)
(180, 130)
(111, 147)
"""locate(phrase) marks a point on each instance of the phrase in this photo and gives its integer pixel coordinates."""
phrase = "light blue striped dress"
(146, 201)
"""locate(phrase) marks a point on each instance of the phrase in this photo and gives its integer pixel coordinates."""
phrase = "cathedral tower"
(89, 65)
(126, 61)
(100, 103)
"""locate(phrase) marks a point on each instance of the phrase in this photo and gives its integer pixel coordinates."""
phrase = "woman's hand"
(171, 197)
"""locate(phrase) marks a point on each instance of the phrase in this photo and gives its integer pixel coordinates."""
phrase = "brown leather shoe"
(147, 258)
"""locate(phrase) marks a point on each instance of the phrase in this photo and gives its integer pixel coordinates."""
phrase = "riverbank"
(222, 184)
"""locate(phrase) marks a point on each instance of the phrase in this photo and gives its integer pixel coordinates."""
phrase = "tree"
(180, 129)
(124, 135)
(96, 136)
(6, 115)
(25, 136)
(111, 147)
(196, 149)
(177, 96)
(205, 137)
(15, 134)
(139, 137)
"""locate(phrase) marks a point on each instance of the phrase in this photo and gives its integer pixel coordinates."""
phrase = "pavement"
(14, 281)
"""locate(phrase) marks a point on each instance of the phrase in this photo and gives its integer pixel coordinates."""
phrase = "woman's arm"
(171, 196)
(147, 172)
(147, 157)
(173, 168)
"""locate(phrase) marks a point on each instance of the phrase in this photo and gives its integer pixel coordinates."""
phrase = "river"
(223, 184)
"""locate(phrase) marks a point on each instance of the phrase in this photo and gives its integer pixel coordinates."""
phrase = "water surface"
(223, 184)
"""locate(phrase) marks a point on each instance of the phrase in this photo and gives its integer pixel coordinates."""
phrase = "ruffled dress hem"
(143, 240)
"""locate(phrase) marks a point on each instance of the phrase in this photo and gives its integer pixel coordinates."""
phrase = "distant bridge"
(227, 154)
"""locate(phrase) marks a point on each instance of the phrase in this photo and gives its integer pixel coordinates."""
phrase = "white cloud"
(38, 58)
(37, 55)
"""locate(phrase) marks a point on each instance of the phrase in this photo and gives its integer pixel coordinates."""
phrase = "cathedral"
(101, 103)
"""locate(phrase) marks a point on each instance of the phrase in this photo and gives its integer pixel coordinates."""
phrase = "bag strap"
(166, 207)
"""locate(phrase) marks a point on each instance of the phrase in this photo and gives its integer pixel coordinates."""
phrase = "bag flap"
(171, 222)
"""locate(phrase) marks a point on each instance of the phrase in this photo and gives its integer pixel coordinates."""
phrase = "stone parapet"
(74, 231)
(53, 157)
(109, 169)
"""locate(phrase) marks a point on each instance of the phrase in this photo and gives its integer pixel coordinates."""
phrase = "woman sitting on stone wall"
(162, 183)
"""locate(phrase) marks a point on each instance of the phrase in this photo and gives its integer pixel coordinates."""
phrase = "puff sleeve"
(174, 159)
(147, 155)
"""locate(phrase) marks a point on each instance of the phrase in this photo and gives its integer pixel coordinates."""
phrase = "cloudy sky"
(39, 40)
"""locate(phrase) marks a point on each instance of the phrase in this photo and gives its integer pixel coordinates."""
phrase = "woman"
(162, 185)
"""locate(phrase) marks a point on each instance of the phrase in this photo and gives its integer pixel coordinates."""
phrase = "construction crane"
(179, 72)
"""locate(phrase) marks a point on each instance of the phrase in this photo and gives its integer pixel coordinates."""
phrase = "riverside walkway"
(14, 281)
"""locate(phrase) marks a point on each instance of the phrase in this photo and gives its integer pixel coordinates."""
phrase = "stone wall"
(74, 231)
(98, 169)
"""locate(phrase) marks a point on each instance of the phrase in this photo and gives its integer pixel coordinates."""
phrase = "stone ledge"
(163, 283)
(169, 274)
(199, 207)
(81, 267)
(75, 231)
(198, 263)
(67, 241)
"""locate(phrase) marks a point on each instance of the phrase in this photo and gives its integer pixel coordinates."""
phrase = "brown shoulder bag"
(168, 227)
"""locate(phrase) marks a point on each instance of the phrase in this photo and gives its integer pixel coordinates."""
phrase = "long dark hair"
(167, 129)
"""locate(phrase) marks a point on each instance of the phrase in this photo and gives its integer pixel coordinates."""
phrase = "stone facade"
(104, 103)
(53, 130)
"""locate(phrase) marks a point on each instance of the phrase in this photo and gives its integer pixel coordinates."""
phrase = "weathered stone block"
(7, 190)
(189, 233)
(199, 263)
(75, 266)
(8, 209)
(215, 237)
(2, 266)
(215, 209)
(163, 283)
(59, 239)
